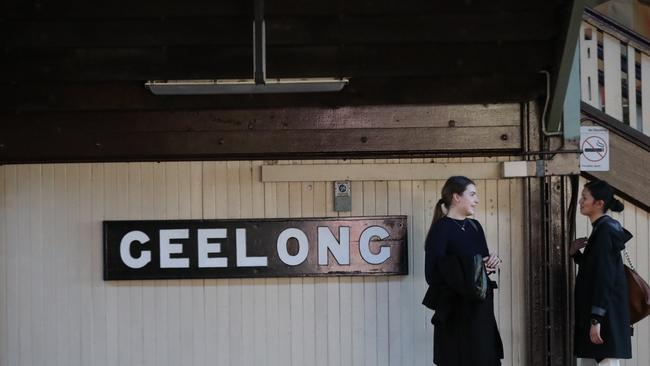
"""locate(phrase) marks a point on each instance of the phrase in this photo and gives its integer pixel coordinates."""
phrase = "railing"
(615, 70)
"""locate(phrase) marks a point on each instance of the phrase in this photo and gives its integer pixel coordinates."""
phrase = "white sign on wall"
(594, 142)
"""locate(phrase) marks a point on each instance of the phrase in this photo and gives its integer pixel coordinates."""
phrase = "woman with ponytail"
(602, 319)
(465, 330)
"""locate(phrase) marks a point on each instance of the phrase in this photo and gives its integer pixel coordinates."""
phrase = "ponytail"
(616, 205)
(437, 212)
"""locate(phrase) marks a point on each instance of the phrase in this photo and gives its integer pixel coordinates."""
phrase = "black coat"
(601, 292)
(465, 330)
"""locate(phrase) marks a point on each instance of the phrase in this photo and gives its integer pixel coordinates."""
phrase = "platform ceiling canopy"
(68, 63)
(75, 54)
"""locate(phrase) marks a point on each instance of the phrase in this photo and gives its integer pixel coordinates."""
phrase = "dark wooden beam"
(267, 119)
(290, 133)
(220, 62)
(149, 8)
(296, 31)
(40, 96)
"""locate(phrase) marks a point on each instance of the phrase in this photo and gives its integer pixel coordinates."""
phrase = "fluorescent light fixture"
(245, 86)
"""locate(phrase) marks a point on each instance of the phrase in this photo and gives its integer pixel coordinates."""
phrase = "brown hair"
(456, 184)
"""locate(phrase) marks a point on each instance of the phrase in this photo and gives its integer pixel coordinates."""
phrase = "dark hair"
(456, 184)
(602, 191)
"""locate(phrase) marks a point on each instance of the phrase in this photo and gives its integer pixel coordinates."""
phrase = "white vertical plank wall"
(637, 221)
(55, 308)
(612, 70)
(645, 93)
(589, 64)
(631, 87)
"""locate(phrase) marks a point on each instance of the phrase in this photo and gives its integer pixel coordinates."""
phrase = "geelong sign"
(255, 248)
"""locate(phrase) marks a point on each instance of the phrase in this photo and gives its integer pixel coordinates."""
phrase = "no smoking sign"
(594, 142)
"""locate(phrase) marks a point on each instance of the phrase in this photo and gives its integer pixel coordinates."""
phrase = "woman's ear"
(600, 204)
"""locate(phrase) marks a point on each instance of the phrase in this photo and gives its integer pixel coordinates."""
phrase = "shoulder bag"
(638, 293)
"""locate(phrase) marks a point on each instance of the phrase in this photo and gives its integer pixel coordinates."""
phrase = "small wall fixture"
(257, 85)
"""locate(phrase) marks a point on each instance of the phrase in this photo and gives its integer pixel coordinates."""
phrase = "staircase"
(615, 93)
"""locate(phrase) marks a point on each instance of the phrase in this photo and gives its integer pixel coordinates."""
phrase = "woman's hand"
(492, 262)
(594, 334)
(577, 245)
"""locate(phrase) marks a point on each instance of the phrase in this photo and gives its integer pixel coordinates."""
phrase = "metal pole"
(259, 44)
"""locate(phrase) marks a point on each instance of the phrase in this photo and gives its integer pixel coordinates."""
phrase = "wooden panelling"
(56, 309)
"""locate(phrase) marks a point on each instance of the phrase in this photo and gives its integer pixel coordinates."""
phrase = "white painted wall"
(55, 309)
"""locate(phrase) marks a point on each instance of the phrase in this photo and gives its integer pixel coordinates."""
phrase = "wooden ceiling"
(80, 55)
(76, 54)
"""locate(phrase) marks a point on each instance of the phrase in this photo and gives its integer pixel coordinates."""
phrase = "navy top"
(447, 237)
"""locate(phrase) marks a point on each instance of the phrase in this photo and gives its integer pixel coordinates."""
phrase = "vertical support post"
(559, 289)
(548, 266)
(259, 44)
(533, 252)
(536, 289)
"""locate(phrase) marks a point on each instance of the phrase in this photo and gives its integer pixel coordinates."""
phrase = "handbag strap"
(629, 261)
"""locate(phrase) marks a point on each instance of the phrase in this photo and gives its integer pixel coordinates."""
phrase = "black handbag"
(480, 276)
(480, 281)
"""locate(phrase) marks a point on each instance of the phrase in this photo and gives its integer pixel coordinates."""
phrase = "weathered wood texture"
(55, 309)
(267, 133)
(132, 96)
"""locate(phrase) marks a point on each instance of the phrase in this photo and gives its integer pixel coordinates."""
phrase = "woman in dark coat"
(602, 319)
(465, 330)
